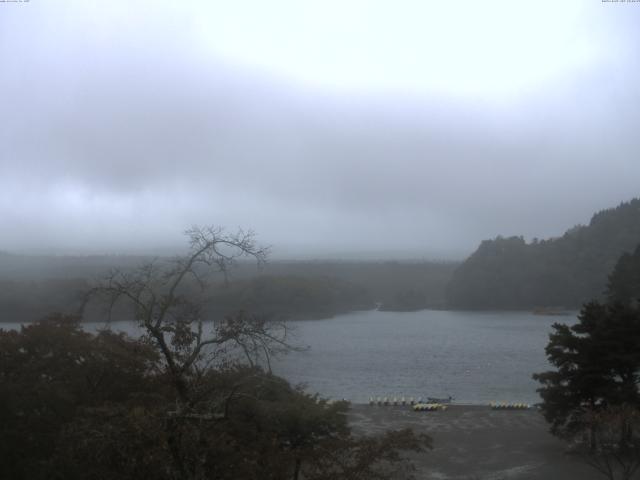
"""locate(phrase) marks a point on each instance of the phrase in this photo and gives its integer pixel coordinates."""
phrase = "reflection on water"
(476, 357)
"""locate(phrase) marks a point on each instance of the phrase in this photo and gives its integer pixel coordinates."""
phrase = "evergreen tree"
(624, 281)
(509, 273)
(597, 363)
(597, 360)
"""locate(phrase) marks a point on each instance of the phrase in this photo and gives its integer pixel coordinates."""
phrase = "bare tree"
(167, 299)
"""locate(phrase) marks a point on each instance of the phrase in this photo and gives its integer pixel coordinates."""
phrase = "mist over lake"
(219, 220)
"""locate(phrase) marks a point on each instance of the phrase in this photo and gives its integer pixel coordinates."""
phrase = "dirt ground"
(475, 442)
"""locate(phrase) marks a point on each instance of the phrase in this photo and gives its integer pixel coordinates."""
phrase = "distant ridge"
(509, 273)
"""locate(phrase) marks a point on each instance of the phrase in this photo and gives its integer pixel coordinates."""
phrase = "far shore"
(314, 316)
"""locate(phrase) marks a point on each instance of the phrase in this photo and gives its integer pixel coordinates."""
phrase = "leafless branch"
(162, 299)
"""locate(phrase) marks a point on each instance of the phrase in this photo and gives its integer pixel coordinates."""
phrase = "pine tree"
(624, 281)
(597, 360)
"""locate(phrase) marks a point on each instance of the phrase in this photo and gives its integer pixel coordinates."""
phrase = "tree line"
(31, 287)
(510, 273)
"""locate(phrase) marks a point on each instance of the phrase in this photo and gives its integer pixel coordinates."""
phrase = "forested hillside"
(33, 286)
(289, 297)
(560, 272)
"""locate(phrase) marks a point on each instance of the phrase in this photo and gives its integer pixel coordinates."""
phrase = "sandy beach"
(475, 442)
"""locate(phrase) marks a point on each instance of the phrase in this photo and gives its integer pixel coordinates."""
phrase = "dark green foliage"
(258, 428)
(382, 280)
(26, 301)
(624, 282)
(598, 365)
(80, 406)
(508, 273)
(291, 296)
(178, 404)
(48, 372)
(597, 360)
(31, 287)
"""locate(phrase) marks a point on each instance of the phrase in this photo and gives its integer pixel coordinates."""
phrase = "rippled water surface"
(476, 357)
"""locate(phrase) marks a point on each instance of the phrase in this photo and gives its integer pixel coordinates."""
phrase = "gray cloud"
(114, 139)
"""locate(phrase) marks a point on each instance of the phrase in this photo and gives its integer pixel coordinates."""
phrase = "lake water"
(476, 357)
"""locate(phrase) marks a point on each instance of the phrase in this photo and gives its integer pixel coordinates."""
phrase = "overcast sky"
(332, 128)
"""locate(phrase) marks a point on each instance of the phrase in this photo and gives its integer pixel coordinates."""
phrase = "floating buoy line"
(509, 406)
(419, 405)
(388, 401)
(429, 407)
